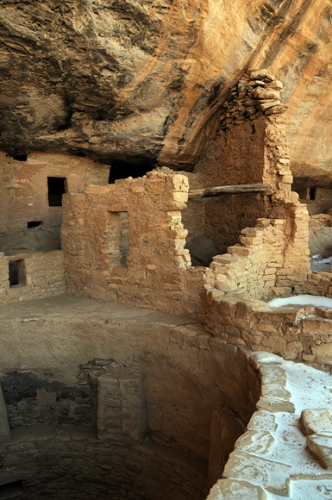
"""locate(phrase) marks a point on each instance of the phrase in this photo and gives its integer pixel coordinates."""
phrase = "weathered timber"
(220, 190)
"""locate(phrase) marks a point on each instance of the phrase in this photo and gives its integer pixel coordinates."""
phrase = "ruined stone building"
(165, 197)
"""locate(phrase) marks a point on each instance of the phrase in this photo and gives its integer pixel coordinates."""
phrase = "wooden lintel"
(220, 190)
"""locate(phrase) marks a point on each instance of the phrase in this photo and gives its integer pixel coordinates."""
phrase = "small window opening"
(11, 490)
(123, 169)
(20, 157)
(57, 186)
(34, 223)
(118, 238)
(312, 193)
(17, 275)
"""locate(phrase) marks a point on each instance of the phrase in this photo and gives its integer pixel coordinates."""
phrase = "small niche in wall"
(118, 238)
(11, 490)
(23, 157)
(57, 186)
(17, 274)
(34, 223)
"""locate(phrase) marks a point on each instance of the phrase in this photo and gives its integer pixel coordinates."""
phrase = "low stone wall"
(38, 275)
(273, 452)
(301, 333)
(270, 258)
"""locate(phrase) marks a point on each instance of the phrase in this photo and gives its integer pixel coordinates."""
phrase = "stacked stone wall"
(24, 198)
(129, 361)
(270, 259)
(71, 463)
(301, 333)
(42, 276)
(158, 269)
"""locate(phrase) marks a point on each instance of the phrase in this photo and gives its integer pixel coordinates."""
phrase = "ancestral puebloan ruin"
(165, 250)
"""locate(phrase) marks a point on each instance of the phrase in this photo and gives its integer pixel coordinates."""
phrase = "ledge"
(270, 460)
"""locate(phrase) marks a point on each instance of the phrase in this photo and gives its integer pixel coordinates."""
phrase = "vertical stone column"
(4, 425)
(121, 409)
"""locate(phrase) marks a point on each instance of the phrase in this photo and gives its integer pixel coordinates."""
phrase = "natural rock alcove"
(126, 410)
(165, 172)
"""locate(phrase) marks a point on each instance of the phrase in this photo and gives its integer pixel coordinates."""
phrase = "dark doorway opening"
(11, 490)
(34, 223)
(123, 169)
(57, 186)
(17, 274)
(312, 193)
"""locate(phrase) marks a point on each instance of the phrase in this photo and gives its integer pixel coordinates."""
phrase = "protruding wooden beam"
(220, 190)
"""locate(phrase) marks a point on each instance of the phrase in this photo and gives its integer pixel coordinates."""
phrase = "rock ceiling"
(144, 80)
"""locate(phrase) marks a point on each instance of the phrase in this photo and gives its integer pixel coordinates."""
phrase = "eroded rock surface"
(139, 81)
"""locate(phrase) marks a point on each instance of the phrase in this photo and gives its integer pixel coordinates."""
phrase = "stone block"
(316, 421)
(320, 446)
(260, 471)
(323, 353)
(231, 489)
(255, 442)
(275, 405)
(263, 421)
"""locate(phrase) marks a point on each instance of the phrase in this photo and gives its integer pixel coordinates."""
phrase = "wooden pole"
(220, 190)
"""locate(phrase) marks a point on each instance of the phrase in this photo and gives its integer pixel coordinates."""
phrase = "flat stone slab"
(316, 421)
(263, 421)
(255, 443)
(321, 447)
(275, 405)
(230, 489)
(259, 471)
(275, 391)
(273, 375)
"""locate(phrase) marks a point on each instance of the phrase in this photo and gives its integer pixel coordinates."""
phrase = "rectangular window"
(57, 186)
(17, 273)
(118, 238)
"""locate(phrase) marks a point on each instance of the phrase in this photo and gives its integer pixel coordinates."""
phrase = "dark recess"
(11, 490)
(56, 188)
(20, 157)
(312, 193)
(123, 169)
(34, 223)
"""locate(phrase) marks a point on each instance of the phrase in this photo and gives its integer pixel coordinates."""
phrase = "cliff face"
(144, 80)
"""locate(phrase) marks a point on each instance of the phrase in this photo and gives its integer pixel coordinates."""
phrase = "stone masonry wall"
(158, 269)
(23, 190)
(134, 358)
(24, 198)
(251, 147)
(302, 333)
(270, 259)
(41, 274)
(71, 463)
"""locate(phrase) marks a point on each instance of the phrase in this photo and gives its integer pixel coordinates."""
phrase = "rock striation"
(142, 82)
